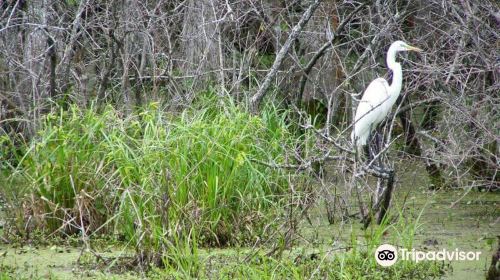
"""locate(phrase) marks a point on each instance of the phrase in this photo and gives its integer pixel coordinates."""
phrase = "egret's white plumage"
(379, 97)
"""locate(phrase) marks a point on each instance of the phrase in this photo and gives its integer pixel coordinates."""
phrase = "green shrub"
(152, 177)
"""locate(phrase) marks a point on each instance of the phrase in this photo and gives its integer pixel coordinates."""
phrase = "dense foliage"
(153, 178)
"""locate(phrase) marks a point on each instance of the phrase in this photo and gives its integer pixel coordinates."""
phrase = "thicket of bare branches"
(128, 53)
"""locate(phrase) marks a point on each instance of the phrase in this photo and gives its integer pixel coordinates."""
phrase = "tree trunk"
(200, 42)
(34, 86)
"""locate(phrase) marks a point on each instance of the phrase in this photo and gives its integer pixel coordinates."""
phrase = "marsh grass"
(354, 259)
(152, 178)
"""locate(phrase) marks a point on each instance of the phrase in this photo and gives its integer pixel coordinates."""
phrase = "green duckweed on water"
(449, 220)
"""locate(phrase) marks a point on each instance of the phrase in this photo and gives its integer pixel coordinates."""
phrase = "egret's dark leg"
(378, 146)
(371, 147)
(368, 153)
(368, 148)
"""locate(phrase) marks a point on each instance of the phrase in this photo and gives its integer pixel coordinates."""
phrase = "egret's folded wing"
(371, 109)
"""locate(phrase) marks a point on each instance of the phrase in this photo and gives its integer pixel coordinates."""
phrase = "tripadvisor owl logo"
(386, 255)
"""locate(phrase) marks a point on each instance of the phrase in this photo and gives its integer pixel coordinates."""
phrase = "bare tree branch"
(259, 95)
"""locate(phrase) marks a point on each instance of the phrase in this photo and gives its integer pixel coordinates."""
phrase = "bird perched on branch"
(379, 97)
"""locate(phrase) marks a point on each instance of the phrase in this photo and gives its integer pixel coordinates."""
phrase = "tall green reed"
(153, 176)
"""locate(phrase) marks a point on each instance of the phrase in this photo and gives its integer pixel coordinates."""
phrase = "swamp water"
(467, 220)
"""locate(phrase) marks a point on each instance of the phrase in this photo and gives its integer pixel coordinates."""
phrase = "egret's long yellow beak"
(411, 48)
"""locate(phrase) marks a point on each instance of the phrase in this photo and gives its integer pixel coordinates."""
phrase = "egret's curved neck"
(397, 74)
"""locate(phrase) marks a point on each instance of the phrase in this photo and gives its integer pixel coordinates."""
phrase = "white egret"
(379, 97)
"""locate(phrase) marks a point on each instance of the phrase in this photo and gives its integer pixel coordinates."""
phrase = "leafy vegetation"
(154, 179)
